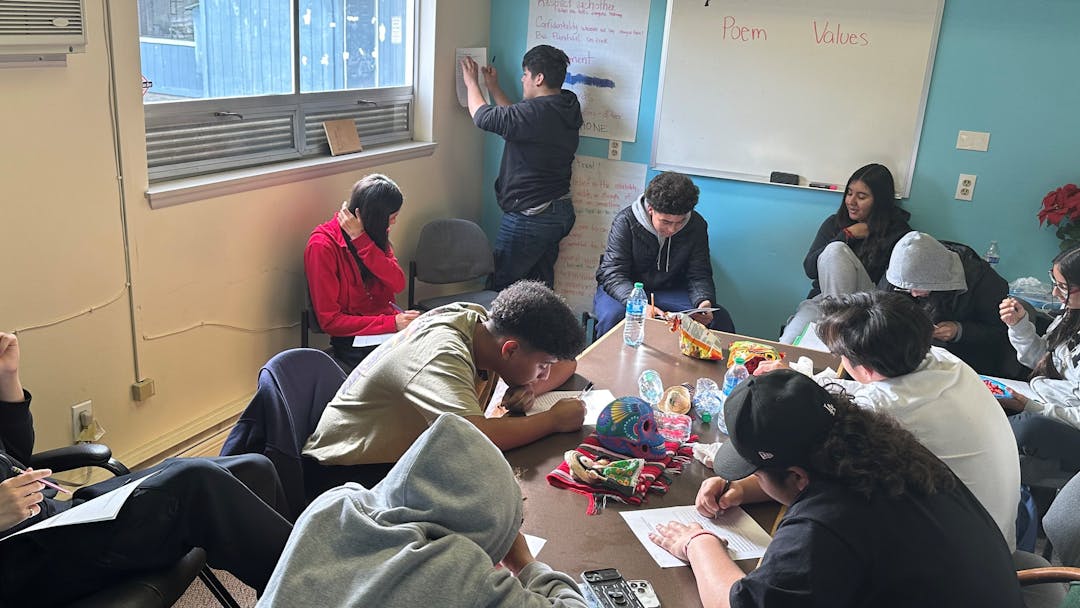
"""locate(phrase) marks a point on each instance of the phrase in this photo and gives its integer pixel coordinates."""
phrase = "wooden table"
(579, 542)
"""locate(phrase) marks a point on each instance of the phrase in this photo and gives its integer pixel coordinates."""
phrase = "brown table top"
(577, 542)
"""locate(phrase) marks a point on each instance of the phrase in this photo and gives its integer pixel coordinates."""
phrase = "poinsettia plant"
(1061, 208)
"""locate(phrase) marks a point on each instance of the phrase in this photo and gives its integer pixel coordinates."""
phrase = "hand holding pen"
(1011, 311)
(20, 496)
(717, 495)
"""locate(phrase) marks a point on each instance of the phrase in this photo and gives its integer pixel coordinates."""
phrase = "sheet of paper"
(372, 340)
(479, 55)
(594, 402)
(809, 339)
(535, 544)
(745, 538)
(103, 508)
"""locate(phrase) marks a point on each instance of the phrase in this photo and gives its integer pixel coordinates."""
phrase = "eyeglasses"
(1062, 287)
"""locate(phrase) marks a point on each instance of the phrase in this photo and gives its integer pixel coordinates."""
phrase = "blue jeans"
(609, 311)
(527, 246)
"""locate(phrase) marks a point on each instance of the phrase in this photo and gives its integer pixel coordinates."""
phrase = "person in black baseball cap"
(874, 518)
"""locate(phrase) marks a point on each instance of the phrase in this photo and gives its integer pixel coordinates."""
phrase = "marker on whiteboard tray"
(823, 186)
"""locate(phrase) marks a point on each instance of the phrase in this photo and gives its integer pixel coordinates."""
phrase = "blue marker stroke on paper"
(592, 81)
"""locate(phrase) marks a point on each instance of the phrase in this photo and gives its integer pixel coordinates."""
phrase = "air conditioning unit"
(41, 31)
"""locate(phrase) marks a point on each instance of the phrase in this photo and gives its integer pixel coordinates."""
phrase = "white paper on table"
(372, 340)
(479, 55)
(594, 402)
(535, 544)
(745, 538)
(103, 508)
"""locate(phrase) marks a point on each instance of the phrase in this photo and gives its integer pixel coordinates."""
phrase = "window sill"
(178, 192)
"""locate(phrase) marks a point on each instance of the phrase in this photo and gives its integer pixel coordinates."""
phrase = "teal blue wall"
(1011, 68)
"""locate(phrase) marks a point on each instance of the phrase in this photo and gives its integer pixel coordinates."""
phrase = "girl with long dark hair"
(1054, 357)
(852, 247)
(351, 270)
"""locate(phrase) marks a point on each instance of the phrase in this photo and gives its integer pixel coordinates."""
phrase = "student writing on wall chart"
(661, 242)
(852, 247)
(533, 186)
(351, 270)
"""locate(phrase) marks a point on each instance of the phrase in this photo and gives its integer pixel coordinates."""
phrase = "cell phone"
(645, 593)
(606, 588)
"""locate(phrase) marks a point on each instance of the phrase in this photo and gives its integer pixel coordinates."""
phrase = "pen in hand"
(44, 481)
(585, 391)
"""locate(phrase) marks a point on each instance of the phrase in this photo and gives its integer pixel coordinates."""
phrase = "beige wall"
(234, 260)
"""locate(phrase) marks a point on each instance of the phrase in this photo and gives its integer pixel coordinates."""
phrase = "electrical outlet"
(614, 150)
(965, 187)
(81, 415)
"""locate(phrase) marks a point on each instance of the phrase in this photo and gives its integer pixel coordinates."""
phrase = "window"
(236, 83)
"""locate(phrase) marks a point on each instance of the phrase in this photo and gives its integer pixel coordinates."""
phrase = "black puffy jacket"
(633, 255)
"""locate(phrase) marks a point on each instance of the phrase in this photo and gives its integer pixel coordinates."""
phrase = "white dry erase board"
(813, 87)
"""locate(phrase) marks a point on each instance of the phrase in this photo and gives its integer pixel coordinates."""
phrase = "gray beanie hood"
(919, 261)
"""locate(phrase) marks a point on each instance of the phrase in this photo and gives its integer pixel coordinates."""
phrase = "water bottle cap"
(706, 417)
(639, 286)
(740, 360)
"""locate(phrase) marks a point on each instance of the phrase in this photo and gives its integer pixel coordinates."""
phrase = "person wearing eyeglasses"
(661, 242)
(961, 292)
(1054, 357)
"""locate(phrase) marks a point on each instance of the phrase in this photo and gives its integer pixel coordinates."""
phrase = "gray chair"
(452, 251)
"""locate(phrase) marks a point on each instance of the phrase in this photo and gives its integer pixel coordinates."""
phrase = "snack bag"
(998, 389)
(695, 340)
(752, 354)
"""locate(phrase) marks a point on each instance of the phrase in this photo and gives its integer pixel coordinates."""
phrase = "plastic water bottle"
(650, 386)
(634, 329)
(734, 375)
(992, 256)
(708, 403)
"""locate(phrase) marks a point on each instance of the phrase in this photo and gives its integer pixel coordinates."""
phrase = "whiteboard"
(817, 88)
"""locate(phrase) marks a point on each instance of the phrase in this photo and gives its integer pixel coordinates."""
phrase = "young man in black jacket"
(661, 242)
(533, 187)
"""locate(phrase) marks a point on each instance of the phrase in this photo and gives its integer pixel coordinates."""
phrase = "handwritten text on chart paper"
(825, 32)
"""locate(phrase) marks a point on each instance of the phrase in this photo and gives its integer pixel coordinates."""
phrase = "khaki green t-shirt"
(401, 387)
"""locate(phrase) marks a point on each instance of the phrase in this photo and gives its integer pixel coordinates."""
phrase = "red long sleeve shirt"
(343, 305)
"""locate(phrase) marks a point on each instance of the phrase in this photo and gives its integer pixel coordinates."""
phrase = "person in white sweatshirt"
(434, 532)
(1049, 425)
(883, 339)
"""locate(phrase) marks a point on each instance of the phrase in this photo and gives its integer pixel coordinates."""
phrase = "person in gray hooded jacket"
(661, 242)
(961, 292)
(430, 534)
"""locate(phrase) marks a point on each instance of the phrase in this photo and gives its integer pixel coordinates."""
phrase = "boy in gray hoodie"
(430, 534)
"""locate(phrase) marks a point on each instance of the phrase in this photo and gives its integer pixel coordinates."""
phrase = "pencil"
(652, 305)
(44, 481)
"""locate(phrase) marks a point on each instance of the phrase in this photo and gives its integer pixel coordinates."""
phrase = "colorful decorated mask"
(627, 426)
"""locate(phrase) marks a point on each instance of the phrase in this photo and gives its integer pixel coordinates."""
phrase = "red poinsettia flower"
(1061, 204)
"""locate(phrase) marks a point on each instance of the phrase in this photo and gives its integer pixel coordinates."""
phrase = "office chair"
(294, 388)
(309, 321)
(145, 590)
(1062, 527)
(451, 251)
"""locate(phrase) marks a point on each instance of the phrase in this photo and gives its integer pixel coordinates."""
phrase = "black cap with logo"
(775, 420)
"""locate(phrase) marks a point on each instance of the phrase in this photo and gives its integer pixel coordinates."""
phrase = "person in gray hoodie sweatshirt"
(433, 533)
